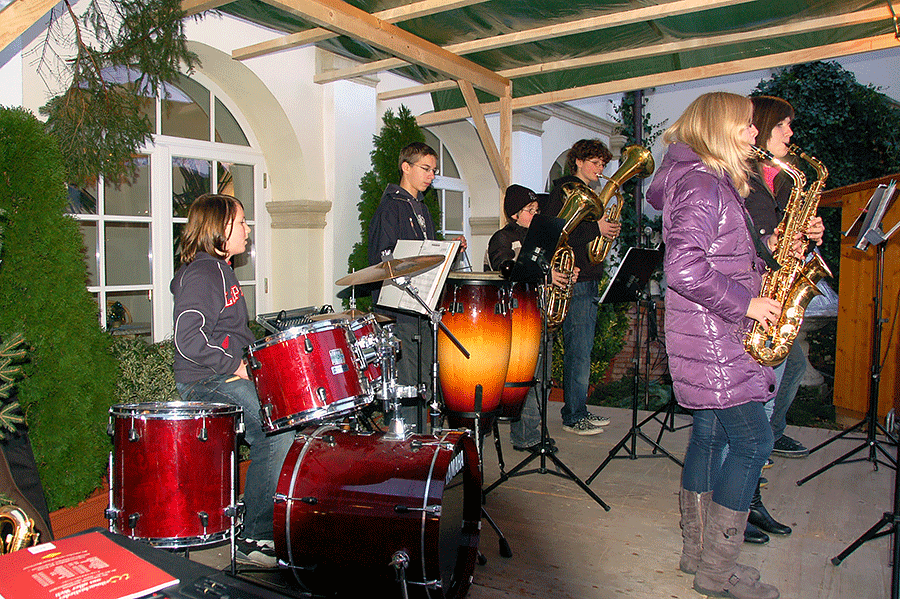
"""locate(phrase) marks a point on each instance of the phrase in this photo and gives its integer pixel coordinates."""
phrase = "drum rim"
(160, 409)
(478, 278)
(300, 330)
(335, 409)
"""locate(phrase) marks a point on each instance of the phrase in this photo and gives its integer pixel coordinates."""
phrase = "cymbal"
(351, 314)
(391, 269)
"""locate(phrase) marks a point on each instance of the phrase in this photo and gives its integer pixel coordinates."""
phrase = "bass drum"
(350, 504)
(524, 350)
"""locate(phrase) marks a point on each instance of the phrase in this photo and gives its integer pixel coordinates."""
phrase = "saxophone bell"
(16, 529)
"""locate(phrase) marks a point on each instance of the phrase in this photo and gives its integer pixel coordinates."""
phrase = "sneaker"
(789, 448)
(583, 427)
(763, 481)
(256, 552)
(597, 420)
(769, 463)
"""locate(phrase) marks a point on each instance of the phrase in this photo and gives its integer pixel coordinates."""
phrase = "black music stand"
(533, 266)
(629, 284)
(870, 234)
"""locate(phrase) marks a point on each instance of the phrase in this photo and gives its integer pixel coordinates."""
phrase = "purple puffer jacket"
(712, 272)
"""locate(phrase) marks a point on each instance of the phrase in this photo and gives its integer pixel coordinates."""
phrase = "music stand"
(870, 234)
(629, 284)
(533, 266)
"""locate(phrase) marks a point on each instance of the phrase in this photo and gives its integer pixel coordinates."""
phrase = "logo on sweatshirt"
(233, 295)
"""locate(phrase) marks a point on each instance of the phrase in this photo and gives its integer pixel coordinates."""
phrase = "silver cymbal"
(391, 269)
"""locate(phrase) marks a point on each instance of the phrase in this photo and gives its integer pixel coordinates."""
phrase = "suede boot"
(760, 517)
(717, 574)
(693, 515)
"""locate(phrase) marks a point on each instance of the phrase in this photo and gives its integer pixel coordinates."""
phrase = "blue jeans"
(267, 453)
(788, 376)
(526, 431)
(746, 431)
(578, 340)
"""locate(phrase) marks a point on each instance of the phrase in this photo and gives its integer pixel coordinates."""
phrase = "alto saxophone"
(794, 284)
(581, 202)
(16, 529)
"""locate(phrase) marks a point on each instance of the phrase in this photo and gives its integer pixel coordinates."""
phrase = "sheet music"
(429, 284)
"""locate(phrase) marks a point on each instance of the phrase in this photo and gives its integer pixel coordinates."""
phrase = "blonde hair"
(711, 126)
(210, 221)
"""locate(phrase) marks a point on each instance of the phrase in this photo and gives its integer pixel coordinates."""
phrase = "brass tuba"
(581, 202)
(16, 529)
(794, 284)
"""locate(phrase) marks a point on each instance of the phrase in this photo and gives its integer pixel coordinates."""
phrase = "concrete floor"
(565, 545)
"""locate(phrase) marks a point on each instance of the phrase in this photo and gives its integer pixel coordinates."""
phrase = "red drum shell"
(163, 471)
(347, 502)
(524, 350)
(365, 331)
(476, 312)
(305, 373)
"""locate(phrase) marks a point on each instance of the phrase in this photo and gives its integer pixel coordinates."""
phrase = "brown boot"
(718, 574)
(693, 515)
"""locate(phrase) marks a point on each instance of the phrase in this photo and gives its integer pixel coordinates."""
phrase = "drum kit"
(405, 506)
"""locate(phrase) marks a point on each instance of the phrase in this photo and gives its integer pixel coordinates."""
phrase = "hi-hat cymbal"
(351, 314)
(391, 269)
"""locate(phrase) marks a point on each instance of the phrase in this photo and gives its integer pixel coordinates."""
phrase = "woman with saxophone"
(714, 276)
(585, 162)
(770, 190)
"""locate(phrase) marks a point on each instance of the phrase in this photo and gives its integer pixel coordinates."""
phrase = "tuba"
(16, 529)
(794, 284)
(580, 202)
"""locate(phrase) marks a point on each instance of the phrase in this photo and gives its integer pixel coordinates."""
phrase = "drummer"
(403, 214)
(211, 333)
(520, 204)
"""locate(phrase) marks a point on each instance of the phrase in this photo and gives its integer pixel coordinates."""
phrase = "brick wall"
(623, 363)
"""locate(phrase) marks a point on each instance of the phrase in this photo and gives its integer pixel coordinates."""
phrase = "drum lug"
(252, 362)
(133, 520)
(110, 428)
(307, 345)
(204, 519)
(203, 435)
(431, 509)
(133, 434)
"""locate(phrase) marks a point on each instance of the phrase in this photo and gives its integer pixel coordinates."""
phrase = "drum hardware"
(392, 269)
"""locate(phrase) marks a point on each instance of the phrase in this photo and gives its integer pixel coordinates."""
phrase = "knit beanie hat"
(516, 198)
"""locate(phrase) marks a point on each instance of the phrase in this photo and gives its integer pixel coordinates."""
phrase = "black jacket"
(502, 246)
(396, 218)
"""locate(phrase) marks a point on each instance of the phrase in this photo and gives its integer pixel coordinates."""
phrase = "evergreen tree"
(69, 381)
(396, 133)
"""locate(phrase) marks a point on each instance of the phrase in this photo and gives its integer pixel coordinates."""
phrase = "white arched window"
(131, 232)
(453, 194)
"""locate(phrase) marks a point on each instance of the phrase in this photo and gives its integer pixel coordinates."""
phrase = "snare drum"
(524, 350)
(304, 374)
(348, 504)
(477, 312)
(172, 472)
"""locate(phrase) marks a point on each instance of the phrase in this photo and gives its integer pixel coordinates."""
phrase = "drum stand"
(545, 448)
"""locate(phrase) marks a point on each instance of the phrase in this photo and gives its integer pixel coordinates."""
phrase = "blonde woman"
(713, 272)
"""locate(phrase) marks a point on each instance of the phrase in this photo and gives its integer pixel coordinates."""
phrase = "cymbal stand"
(545, 448)
(436, 324)
(870, 422)
(635, 432)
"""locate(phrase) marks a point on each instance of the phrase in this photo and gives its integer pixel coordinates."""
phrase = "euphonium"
(638, 163)
(21, 531)
(581, 202)
(794, 284)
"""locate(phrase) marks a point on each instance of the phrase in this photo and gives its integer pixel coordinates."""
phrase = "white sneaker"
(256, 552)
(597, 420)
(583, 427)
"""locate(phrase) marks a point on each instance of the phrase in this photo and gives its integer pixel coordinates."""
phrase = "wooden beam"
(505, 140)
(606, 21)
(399, 14)
(770, 61)
(881, 13)
(19, 15)
(484, 133)
(195, 7)
(345, 19)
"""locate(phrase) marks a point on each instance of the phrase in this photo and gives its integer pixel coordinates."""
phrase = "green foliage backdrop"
(397, 132)
(69, 382)
(853, 129)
